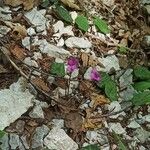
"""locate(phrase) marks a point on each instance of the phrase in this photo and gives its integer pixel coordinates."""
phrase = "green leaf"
(122, 50)
(58, 69)
(2, 133)
(101, 25)
(111, 90)
(109, 86)
(45, 3)
(141, 86)
(82, 23)
(104, 79)
(141, 98)
(142, 73)
(121, 145)
(64, 14)
(90, 147)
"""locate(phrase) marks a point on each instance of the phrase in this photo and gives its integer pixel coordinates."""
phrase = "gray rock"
(26, 42)
(57, 123)
(20, 126)
(24, 142)
(14, 102)
(142, 135)
(117, 128)
(4, 142)
(126, 79)
(133, 124)
(4, 30)
(77, 42)
(110, 62)
(37, 112)
(14, 141)
(97, 136)
(40, 133)
(28, 61)
(6, 16)
(59, 140)
(52, 50)
(37, 19)
(128, 93)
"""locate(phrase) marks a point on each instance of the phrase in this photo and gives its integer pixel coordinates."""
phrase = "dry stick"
(3, 49)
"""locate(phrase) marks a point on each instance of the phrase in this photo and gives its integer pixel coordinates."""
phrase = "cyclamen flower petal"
(72, 64)
(95, 76)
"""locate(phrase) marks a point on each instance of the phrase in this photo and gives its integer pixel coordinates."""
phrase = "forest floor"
(75, 75)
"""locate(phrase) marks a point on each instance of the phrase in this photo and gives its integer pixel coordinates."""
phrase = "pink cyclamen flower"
(95, 76)
(72, 64)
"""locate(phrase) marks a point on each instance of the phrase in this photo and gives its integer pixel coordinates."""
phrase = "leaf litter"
(96, 48)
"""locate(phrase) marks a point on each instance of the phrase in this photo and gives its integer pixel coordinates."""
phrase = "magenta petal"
(72, 64)
(95, 76)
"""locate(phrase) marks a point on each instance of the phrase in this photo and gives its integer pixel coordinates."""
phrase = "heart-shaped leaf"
(141, 98)
(82, 23)
(64, 14)
(142, 73)
(90, 147)
(101, 25)
(58, 69)
(141, 86)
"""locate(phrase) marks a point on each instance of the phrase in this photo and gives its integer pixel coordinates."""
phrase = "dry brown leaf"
(18, 31)
(89, 122)
(28, 4)
(71, 4)
(41, 84)
(74, 121)
(98, 100)
(89, 60)
(18, 52)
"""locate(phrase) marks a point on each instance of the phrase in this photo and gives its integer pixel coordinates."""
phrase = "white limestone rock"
(59, 29)
(58, 139)
(28, 61)
(117, 128)
(78, 42)
(14, 102)
(40, 133)
(37, 18)
(52, 50)
(115, 107)
(110, 62)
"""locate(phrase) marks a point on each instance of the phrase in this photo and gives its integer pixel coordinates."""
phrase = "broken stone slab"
(14, 102)
(7, 15)
(59, 29)
(126, 79)
(28, 61)
(52, 50)
(4, 142)
(4, 30)
(115, 107)
(57, 123)
(78, 42)
(142, 135)
(36, 18)
(14, 141)
(40, 133)
(110, 63)
(133, 125)
(59, 140)
(97, 136)
(117, 128)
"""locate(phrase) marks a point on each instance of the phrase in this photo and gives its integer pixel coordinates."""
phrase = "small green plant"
(142, 86)
(2, 133)
(91, 147)
(109, 86)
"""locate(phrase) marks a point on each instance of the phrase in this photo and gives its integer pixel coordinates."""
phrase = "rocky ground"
(40, 109)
